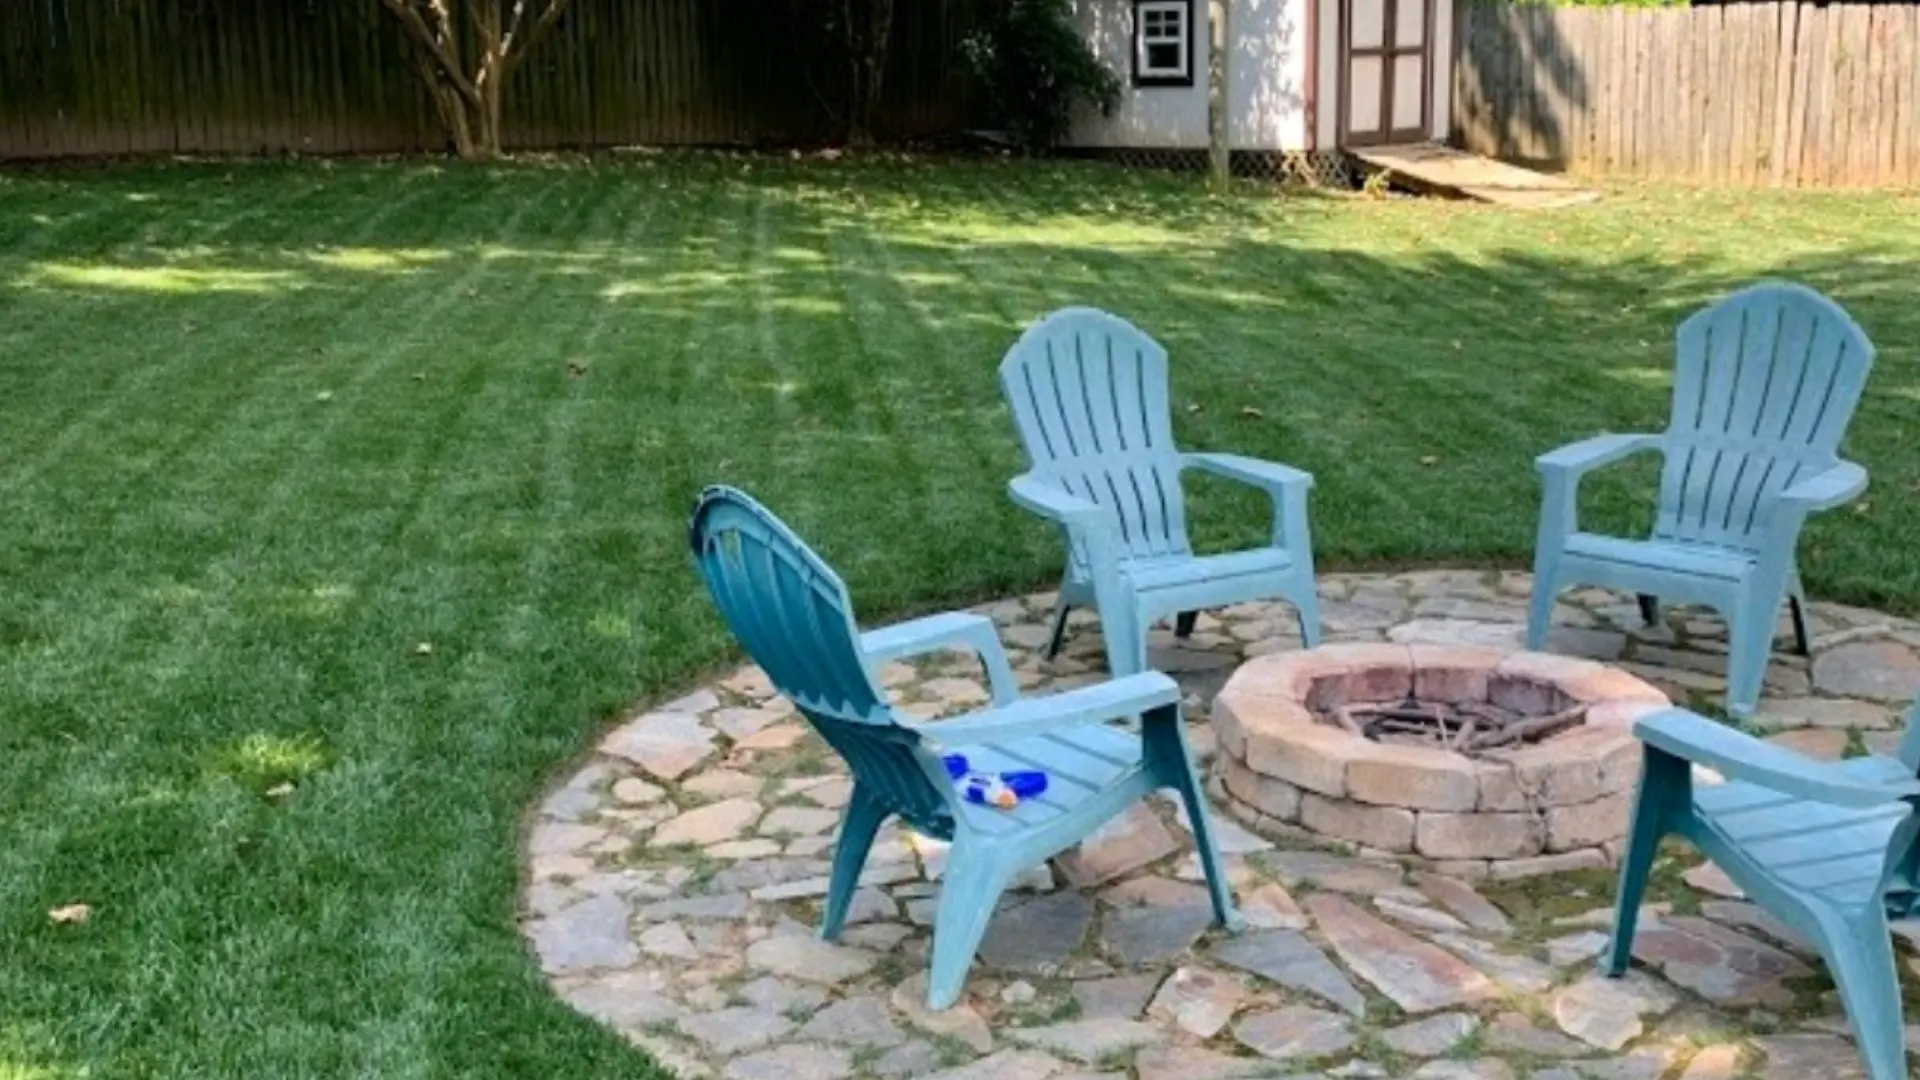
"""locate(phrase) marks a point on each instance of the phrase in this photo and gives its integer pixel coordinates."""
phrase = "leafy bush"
(1036, 69)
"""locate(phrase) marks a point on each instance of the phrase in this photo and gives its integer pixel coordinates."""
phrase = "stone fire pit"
(1292, 756)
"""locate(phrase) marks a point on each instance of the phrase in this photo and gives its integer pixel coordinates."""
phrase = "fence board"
(1619, 101)
(1781, 93)
(1757, 72)
(1906, 70)
(211, 76)
(1786, 29)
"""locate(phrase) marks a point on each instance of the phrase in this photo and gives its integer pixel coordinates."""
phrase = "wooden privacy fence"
(1781, 93)
(81, 77)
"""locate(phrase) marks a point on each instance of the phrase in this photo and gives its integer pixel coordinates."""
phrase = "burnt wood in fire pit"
(1471, 728)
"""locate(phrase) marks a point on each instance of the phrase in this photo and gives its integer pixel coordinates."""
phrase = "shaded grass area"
(269, 430)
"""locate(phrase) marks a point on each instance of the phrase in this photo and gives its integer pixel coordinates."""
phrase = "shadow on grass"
(1414, 356)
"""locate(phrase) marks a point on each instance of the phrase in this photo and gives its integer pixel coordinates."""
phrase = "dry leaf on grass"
(279, 791)
(70, 913)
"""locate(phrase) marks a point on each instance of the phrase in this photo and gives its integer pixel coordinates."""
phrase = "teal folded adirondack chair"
(792, 614)
(1765, 384)
(1088, 392)
(1828, 848)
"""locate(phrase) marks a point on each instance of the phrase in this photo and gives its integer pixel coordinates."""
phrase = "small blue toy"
(1003, 790)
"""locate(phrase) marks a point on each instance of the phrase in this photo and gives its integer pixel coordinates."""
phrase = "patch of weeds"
(1715, 1035)
(1856, 744)
(1534, 903)
(1536, 1010)
(1372, 1050)
(1116, 1061)
(1473, 1046)
(808, 757)
(893, 967)
(1384, 1013)
(1810, 995)
(1762, 1022)
(950, 1052)
(661, 1029)
(263, 763)
(865, 1057)
(700, 866)
(1708, 705)
(1049, 1007)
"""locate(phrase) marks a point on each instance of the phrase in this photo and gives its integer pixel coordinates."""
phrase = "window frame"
(1142, 76)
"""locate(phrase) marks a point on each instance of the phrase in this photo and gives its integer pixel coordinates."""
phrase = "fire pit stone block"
(1480, 836)
(1387, 775)
(1388, 828)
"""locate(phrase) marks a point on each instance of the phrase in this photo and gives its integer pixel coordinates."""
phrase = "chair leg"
(1860, 953)
(859, 823)
(1664, 781)
(1126, 635)
(967, 898)
(1545, 590)
(1166, 750)
(1649, 609)
(1183, 624)
(1059, 635)
(1797, 605)
(1306, 604)
(1749, 646)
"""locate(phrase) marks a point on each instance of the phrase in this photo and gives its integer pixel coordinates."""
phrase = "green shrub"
(1036, 69)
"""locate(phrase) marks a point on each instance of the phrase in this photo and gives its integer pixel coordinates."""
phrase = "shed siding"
(1266, 90)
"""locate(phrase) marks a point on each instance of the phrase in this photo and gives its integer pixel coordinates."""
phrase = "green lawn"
(265, 430)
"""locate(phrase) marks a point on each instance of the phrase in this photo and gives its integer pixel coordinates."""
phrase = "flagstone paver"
(674, 881)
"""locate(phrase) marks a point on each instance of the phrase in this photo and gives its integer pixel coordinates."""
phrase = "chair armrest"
(1055, 503)
(1739, 756)
(974, 633)
(1582, 457)
(1251, 471)
(1285, 485)
(1828, 489)
(1130, 696)
(1560, 472)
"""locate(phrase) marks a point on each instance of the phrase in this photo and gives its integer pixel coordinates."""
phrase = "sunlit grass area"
(343, 503)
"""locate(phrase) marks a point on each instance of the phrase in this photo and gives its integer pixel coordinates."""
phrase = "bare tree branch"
(435, 44)
(512, 55)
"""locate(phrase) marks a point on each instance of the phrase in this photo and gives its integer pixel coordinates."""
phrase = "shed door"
(1386, 68)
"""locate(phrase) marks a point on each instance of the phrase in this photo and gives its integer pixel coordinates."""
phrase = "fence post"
(1220, 147)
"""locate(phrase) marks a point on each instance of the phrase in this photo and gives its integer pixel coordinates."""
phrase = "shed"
(1303, 75)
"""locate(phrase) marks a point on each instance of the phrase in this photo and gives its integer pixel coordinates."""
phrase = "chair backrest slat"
(792, 614)
(1765, 383)
(1089, 396)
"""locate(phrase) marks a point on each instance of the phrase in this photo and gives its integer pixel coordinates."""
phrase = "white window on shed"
(1163, 42)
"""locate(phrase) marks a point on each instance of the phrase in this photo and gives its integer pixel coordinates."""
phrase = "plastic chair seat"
(1678, 557)
(1079, 764)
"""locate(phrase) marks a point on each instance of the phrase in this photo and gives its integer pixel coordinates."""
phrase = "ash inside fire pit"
(1471, 728)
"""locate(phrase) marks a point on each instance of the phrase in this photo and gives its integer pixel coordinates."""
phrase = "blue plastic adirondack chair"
(793, 615)
(1766, 382)
(1089, 396)
(1829, 848)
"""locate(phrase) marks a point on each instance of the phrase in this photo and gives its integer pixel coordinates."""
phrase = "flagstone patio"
(675, 878)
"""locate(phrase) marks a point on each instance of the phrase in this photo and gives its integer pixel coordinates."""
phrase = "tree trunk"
(471, 107)
(1220, 146)
(869, 36)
